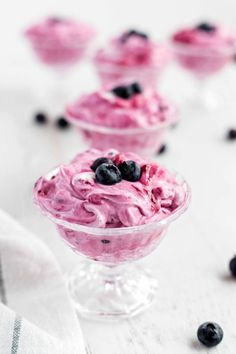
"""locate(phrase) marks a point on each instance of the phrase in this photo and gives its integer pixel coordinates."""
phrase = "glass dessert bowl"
(125, 117)
(113, 211)
(59, 44)
(203, 50)
(133, 55)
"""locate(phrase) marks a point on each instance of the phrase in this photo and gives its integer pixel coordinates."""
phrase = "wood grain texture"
(191, 263)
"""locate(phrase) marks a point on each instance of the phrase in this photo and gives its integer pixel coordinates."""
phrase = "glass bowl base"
(105, 292)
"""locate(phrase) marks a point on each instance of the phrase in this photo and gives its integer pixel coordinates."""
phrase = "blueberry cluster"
(107, 173)
(132, 33)
(127, 91)
(206, 27)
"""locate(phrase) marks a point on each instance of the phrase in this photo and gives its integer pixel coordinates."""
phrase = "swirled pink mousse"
(105, 109)
(60, 40)
(71, 193)
(131, 58)
(204, 52)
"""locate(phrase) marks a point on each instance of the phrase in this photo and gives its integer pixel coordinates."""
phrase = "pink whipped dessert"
(59, 41)
(131, 56)
(204, 49)
(108, 190)
(125, 117)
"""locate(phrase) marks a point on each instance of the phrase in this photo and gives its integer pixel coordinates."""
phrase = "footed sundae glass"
(109, 284)
(202, 63)
(59, 44)
(131, 56)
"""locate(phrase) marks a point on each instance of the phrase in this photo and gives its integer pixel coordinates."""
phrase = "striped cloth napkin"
(36, 316)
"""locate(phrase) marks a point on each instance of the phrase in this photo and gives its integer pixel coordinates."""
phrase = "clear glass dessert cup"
(109, 284)
(202, 63)
(60, 59)
(144, 141)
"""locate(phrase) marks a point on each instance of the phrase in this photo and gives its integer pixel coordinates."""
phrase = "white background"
(108, 16)
(191, 264)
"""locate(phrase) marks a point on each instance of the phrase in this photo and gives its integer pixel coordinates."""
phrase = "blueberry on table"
(231, 135)
(206, 27)
(162, 149)
(41, 118)
(232, 266)
(210, 334)
(124, 92)
(130, 170)
(62, 123)
(108, 174)
(99, 161)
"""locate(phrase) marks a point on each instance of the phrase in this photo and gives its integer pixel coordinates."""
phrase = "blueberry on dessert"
(108, 174)
(127, 91)
(99, 161)
(55, 20)
(206, 27)
(41, 118)
(124, 92)
(232, 266)
(210, 334)
(130, 171)
(136, 88)
(132, 33)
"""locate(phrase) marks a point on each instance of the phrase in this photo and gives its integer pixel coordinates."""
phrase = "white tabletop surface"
(192, 262)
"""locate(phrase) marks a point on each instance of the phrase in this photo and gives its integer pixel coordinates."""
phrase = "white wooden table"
(192, 262)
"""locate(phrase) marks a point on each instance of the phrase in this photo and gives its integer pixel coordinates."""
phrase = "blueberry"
(41, 118)
(105, 241)
(231, 135)
(56, 19)
(136, 88)
(162, 149)
(62, 123)
(108, 174)
(232, 266)
(124, 92)
(132, 33)
(99, 161)
(206, 27)
(130, 170)
(210, 334)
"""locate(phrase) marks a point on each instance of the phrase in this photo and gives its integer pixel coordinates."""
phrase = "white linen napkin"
(36, 315)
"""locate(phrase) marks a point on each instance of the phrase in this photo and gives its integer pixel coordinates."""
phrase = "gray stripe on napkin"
(3, 297)
(16, 335)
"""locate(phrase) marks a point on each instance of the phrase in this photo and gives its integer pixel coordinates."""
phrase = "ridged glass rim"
(121, 131)
(98, 231)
